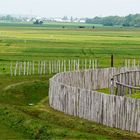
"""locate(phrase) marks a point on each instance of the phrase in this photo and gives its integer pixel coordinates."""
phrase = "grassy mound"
(28, 93)
(42, 122)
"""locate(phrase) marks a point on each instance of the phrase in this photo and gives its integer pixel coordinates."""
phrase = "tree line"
(129, 20)
(10, 18)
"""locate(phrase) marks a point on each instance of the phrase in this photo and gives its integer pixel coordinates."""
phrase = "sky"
(75, 8)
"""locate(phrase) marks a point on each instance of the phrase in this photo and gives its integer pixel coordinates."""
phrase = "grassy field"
(24, 109)
(50, 41)
(7, 133)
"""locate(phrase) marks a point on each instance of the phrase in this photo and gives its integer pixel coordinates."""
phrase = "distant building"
(82, 21)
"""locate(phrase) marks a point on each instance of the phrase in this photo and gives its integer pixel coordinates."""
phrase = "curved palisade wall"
(74, 93)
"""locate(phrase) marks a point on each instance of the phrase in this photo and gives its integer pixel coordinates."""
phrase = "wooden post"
(96, 64)
(69, 65)
(93, 64)
(138, 63)
(112, 62)
(44, 65)
(11, 69)
(56, 66)
(89, 64)
(52, 66)
(78, 64)
(82, 64)
(28, 65)
(30, 68)
(33, 68)
(125, 64)
(85, 64)
(134, 61)
(21, 65)
(112, 86)
(50, 70)
(128, 64)
(59, 65)
(64, 65)
(74, 64)
(24, 68)
(54, 70)
(130, 90)
(38, 67)
(135, 84)
(19, 71)
(15, 73)
(117, 85)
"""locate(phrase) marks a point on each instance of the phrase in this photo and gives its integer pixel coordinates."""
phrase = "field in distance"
(52, 41)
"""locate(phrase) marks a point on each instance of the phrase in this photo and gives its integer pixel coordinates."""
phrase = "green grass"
(24, 108)
(40, 121)
(104, 90)
(26, 94)
(135, 94)
(27, 91)
(7, 133)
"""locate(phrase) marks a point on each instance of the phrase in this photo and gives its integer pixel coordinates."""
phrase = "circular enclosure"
(75, 93)
(126, 83)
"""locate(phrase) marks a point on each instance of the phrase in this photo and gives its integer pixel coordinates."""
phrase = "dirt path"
(17, 84)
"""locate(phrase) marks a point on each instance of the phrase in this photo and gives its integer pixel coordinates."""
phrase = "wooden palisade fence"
(75, 93)
(131, 63)
(50, 66)
(126, 83)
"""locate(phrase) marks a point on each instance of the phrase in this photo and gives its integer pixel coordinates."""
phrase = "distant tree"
(108, 21)
(136, 21)
(65, 18)
(81, 26)
(8, 17)
(71, 19)
(130, 20)
(41, 22)
(38, 22)
(126, 24)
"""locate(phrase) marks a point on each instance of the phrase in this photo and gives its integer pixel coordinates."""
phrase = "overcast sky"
(75, 8)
